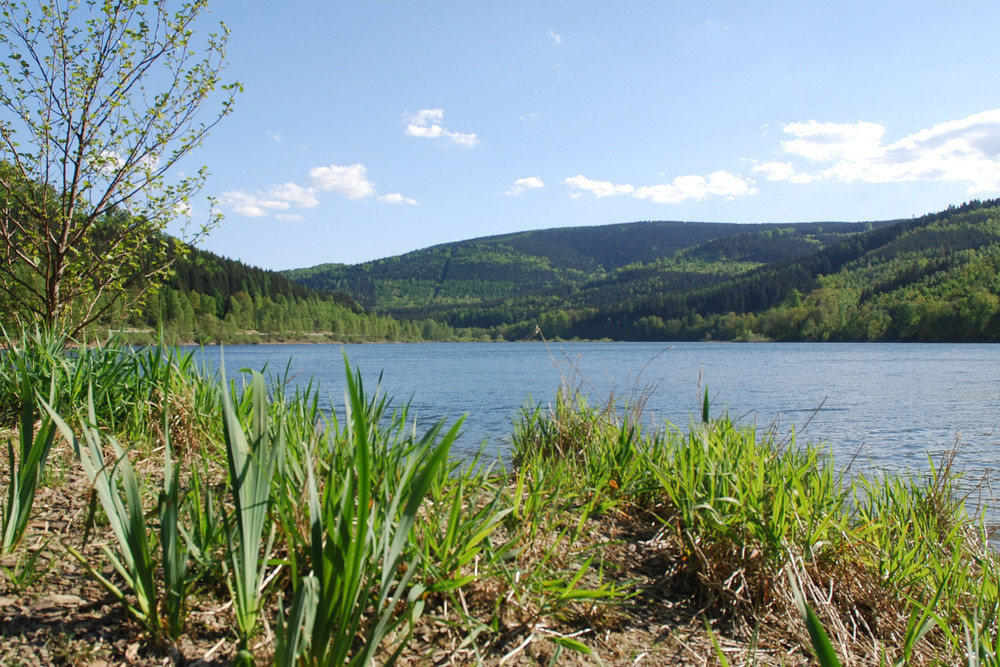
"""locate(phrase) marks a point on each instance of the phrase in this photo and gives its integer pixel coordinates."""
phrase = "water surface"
(889, 405)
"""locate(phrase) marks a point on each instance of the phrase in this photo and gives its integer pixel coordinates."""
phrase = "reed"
(740, 507)
(175, 553)
(360, 527)
(252, 460)
(26, 466)
(134, 560)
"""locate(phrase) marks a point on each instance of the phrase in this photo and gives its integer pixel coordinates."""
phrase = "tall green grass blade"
(252, 463)
(134, 559)
(360, 528)
(26, 468)
(293, 632)
(175, 556)
(820, 641)
(821, 644)
(719, 653)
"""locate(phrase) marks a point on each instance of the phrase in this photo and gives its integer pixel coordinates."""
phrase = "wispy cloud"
(581, 184)
(524, 184)
(783, 171)
(427, 123)
(713, 26)
(253, 205)
(396, 198)
(828, 142)
(295, 195)
(774, 171)
(557, 38)
(682, 188)
(964, 151)
(718, 184)
(350, 181)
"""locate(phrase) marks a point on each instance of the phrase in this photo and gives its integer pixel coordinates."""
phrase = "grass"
(346, 534)
(252, 459)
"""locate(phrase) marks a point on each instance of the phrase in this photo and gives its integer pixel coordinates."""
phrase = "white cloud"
(295, 195)
(277, 198)
(965, 150)
(427, 117)
(426, 124)
(597, 188)
(274, 135)
(351, 181)
(555, 37)
(396, 198)
(718, 183)
(682, 188)
(253, 206)
(348, 181)
(523, 184)
(775, 171)
(825, 142)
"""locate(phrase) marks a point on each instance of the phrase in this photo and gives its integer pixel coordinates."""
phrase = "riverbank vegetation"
(158, 510)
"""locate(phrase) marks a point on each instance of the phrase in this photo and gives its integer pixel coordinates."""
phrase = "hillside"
(482, 282)
(933, 278)
(553, 277)
(213, 298)
(927, 278)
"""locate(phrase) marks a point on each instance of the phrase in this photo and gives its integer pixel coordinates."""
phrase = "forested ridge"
(932, 278)
(558, 262)
(927, 278)
(212, 298)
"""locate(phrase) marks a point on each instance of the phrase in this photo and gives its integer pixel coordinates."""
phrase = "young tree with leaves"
(99, 100)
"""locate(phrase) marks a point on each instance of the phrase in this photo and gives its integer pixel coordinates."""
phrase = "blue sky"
(369, 129)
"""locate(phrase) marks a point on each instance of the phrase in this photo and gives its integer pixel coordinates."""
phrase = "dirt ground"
(65, 618)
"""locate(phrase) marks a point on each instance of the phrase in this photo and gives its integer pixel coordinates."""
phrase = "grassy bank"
(155, 513)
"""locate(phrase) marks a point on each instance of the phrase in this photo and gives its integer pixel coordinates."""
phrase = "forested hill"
(936, 277)
(489, 271)
(222, 278)
(212, 298)
(933, 278)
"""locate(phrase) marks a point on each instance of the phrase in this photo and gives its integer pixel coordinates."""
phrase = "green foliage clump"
(759, 528)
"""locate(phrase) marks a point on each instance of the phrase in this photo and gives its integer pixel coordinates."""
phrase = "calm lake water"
(889, 405)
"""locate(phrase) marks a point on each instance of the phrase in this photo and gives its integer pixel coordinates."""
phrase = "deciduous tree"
(99, 102)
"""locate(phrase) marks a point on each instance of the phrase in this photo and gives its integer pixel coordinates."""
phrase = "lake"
(886, 404)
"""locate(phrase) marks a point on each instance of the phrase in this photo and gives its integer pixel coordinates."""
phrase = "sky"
(370, 129)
